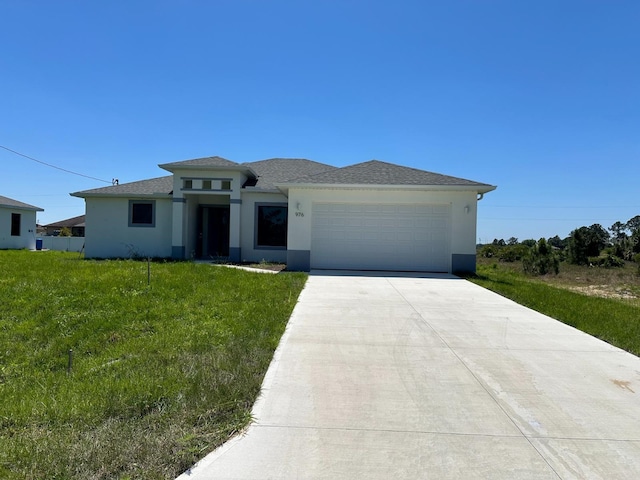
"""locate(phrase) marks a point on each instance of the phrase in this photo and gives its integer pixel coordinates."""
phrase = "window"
(187, 184)
(206, 184)
(142, 213)
(271, 226)
(225, 185)
(15, 224)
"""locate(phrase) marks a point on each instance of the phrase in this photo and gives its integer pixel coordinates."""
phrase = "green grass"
(615, 321)
(161, 374)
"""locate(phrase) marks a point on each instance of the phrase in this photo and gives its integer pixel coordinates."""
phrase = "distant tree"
(635, 241)
(541, 260)
(633, 224)
(499, 243)
(65, 232)
(585, 242)
(557, 242)
(577, 246)
(512, 241)
(618, 231)
(597, 239)
(529, 242)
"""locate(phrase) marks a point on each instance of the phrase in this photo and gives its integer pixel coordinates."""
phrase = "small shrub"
(608, 261)
(488, 251)
(513, 253)
(541, 260)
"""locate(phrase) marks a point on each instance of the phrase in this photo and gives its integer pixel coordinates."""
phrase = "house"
(372, 215)
(75, 226)
(17, 224)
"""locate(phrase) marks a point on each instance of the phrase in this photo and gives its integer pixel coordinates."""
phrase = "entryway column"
(177, 233)
(235, 205)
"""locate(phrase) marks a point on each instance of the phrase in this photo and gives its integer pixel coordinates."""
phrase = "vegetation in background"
(593, 246)
(161, 374)
(541, 259)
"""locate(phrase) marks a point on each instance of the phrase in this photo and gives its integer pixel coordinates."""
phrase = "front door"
(213, 231)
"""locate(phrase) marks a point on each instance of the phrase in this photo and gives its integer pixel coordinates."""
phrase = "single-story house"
(309, 215)
(17, 224)
(74, 224)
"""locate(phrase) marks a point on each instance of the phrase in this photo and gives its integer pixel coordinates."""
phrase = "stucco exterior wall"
(248, 231)
(463, 213)
(27, 238)
(109, 235)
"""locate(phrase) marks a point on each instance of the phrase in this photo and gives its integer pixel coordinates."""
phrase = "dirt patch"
(274, 267)
(604, 291)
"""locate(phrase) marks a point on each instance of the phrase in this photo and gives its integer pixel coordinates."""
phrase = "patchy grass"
(614, 320)
(161, 374)
(618, 283)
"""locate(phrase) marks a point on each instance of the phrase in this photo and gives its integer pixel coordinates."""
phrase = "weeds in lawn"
(161, 374)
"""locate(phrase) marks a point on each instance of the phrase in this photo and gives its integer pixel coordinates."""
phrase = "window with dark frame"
(15, 224)
(141, 214)
(272, 226)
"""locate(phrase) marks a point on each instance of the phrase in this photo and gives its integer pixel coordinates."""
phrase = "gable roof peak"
(206, 162)
(378, 172)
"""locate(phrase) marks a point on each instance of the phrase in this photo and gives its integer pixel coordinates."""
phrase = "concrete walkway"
(398, 377)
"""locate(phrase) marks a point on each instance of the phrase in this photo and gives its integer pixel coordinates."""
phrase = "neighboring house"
(371, 216)
(75, 226)
(17, 224)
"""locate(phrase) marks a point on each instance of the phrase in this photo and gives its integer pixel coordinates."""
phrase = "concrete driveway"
(382, 377)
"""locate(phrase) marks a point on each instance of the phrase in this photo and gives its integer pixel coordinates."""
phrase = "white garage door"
(381, 237)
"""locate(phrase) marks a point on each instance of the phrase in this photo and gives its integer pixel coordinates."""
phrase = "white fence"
(63, 244)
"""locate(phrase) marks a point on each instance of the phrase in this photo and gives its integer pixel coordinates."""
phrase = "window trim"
(153, 213)
(256, 217)
(15, 216)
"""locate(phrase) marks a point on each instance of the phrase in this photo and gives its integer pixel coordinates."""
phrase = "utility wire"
(53, 166)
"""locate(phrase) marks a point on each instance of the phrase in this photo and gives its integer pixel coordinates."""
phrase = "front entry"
(213, 231)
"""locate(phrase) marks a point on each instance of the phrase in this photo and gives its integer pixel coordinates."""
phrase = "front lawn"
(161, 373)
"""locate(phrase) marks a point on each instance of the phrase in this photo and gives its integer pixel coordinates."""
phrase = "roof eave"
(262, 190)
(480, 188)
(121, 195)
(28, 208)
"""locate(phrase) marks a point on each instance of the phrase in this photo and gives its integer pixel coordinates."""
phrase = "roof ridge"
(379, 172)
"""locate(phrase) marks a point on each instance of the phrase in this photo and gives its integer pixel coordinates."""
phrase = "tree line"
(594, 245)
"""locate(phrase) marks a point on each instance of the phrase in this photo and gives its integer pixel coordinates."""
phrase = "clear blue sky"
(541, 98)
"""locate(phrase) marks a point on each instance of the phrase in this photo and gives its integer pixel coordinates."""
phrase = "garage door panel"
(381, 236)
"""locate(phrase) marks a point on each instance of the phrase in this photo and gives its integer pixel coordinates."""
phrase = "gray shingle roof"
(78, 221)
(160, 185)
(283, 171)
(278, 170)
(201, 162)
(375, 172)
(10, 202)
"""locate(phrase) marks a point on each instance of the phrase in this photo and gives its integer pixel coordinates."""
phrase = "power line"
(53, 166)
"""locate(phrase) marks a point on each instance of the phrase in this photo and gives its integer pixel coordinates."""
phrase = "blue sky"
(541, 98)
